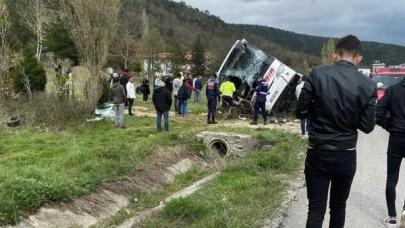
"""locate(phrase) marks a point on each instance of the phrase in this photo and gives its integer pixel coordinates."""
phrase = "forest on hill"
(183, 24)
(178, 27)
(180, 24)
(389, 53)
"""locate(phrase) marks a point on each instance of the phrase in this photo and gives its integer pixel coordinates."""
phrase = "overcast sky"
(375, 20)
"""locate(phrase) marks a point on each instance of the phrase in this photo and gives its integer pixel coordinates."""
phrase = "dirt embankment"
(114, 196)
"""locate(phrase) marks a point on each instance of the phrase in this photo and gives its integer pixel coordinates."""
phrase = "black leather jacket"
(339, 100)
(391, 110)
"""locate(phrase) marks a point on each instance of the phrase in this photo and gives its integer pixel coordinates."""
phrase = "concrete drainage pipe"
(228, 144)
(220, 147)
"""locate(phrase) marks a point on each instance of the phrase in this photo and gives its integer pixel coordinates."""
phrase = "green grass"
(151, 199)
(36, 168)
(244, 194)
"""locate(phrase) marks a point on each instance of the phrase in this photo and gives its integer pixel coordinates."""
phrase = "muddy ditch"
(112, 197)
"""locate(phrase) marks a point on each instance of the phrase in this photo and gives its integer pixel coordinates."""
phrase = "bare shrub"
(46, 111)
(92, 25)
(57, 112)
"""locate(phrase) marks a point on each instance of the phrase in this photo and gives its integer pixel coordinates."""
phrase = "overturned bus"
(246, 63)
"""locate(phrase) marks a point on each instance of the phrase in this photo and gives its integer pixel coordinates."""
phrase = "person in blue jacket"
(212, 92)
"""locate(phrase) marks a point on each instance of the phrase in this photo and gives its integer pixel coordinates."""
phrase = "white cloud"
(374, 20)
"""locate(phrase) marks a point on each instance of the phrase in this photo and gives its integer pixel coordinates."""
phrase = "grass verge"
(36, 168)
(244, 194)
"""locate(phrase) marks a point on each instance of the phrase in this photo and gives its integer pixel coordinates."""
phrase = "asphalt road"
(366, 205)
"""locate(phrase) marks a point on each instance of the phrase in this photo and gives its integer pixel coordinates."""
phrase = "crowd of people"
(165, 90)
(180, 90)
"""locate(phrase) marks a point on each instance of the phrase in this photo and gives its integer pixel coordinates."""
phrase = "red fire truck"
(386, 77)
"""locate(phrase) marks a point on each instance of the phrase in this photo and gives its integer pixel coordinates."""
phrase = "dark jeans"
(396, 152)
(145, 97)
(260, 107)
(183, 108)
(159, 120)
(130, 105)
(176, 104)
(323, 169)
(227, 102)
(304, 126)
(212, 108)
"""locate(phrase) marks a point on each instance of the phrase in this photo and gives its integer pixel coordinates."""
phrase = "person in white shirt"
(177, 82)
(131, 95)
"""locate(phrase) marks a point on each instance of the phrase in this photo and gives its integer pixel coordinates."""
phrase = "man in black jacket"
(339, 100)
(162, 99)
(391, 116)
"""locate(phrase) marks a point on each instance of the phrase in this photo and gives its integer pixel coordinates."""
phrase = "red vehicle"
(386, 77)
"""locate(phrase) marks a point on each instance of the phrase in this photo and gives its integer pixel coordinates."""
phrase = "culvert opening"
(220, 147)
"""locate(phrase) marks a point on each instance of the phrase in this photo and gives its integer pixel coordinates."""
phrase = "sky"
(371, 20)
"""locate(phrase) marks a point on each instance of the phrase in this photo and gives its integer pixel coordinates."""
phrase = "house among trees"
(159, 65)
(163, 64)
(377, 65)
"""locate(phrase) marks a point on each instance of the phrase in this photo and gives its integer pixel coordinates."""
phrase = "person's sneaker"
(214, 122)
(391, 222)
(253, 123)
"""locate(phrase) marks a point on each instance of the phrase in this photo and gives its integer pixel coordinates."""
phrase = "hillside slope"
(183, 24)
(388, 53)
(179, 23)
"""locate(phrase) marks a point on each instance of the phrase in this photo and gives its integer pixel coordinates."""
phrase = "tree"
(30, 74)
(4, 49)
(4, 23)
(177, 58)
(33, 14)
(92, 25)
(199, 60)
(327, 52)
(126, 42)
(306, 68)
(145, 22)
(151, 44)
(58, 41)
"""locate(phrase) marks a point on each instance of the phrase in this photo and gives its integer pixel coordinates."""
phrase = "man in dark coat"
(124, 79)
(145, 89)
(162, 100)
(391, 116)
(339, 100)
(183, 95)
